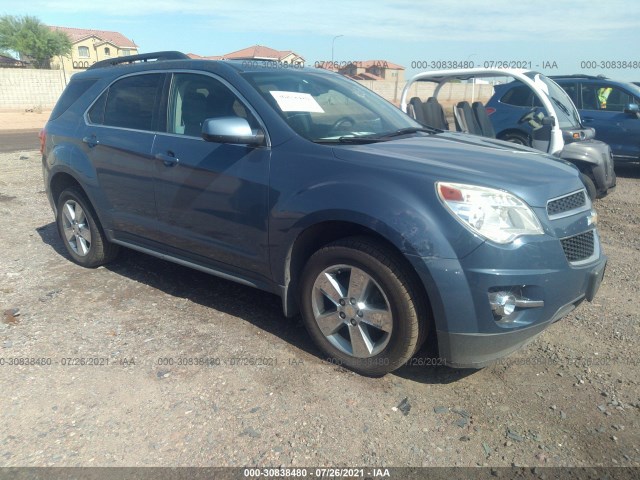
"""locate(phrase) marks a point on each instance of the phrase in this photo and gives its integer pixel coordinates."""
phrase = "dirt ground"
(23, 120)
(146, 363)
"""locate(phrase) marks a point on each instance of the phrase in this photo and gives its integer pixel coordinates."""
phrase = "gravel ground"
(266, 397)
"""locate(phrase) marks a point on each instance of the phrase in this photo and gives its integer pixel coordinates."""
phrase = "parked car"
(524, 108)
(611, 107)
(305, 184)
(507, 106)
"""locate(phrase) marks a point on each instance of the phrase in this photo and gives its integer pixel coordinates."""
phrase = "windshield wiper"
(381, 137)
(409, 130)
(360, 139)
(561, 105)
(349, 139)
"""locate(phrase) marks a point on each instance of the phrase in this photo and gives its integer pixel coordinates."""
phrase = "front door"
(212, 198)
(603, 109)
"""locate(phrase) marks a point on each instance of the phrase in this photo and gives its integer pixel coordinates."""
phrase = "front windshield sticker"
(296, 102)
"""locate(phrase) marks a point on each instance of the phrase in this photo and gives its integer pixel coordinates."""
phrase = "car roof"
(634, 87)
(168, 60)
(581, 75)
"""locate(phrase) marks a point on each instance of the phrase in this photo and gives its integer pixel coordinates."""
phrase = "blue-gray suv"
(611, 107)
(303, 183)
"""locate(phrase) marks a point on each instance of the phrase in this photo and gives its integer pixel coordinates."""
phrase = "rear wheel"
(361, 306)
(80, 230)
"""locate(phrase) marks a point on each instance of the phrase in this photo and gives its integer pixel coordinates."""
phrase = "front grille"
(579, 247)
(564, 204)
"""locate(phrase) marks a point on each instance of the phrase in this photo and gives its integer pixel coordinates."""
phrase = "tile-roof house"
(258, 52)
(10, 62)
(91, 46)
(373, 70)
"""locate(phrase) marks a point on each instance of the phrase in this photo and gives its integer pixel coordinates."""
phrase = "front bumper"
(477, 350)
(469, 336)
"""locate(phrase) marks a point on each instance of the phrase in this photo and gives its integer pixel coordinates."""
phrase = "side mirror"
(632, 109)
(231, 130)
(551, 121)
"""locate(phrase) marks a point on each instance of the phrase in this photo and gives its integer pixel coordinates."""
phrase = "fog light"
(502, 303)
(507, 301)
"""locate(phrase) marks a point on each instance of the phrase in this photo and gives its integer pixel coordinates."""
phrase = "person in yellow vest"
(603, 95)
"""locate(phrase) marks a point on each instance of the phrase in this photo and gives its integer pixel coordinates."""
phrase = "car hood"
(532, 175)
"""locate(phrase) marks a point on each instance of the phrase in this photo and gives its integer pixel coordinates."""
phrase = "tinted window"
(131, 102)
(521, 96)
(72, 93)
(96, 112)
(195, 98)
(572, 90)
(604, 97)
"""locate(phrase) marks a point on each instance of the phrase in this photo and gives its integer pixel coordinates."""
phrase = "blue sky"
(541, 32)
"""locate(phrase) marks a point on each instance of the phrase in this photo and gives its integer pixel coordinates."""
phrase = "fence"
(28, 88)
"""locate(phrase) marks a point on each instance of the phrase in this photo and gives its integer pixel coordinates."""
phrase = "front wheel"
(590, 185)
(361, 306)
(80, 230)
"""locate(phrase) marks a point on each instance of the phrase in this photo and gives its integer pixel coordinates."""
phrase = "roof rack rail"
(145, 57)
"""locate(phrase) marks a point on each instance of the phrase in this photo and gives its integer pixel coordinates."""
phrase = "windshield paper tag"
(296, 102)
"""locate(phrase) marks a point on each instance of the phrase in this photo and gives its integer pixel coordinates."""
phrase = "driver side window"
(603, 97)
(195, 98)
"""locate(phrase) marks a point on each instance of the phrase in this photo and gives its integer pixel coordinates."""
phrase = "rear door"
(212, 198)
(118, 139)
(602, 108)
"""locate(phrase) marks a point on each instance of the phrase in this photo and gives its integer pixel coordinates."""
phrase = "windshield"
(330, 108)
(568, 117)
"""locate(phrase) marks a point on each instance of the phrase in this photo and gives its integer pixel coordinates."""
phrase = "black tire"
(90, 250)
(391, 290)
(590, 185)
(517, 138)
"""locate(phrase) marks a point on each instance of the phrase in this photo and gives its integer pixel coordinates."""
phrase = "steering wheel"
(341, 123)
(532, 116)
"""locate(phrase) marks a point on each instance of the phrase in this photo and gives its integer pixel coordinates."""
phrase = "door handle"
(169, 159)
(587, 119)
(90, 140)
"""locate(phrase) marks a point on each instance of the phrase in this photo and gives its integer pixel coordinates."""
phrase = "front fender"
(595, 157)
(415, 225)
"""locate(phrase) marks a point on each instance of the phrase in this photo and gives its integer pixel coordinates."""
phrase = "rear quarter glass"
(73, 92)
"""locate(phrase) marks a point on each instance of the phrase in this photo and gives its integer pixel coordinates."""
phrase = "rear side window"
(96, 112)
(129, 103)
(572, 90)
(73, 92)
(521, 96)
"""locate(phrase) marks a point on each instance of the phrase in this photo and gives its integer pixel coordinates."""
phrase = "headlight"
(492, 214)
